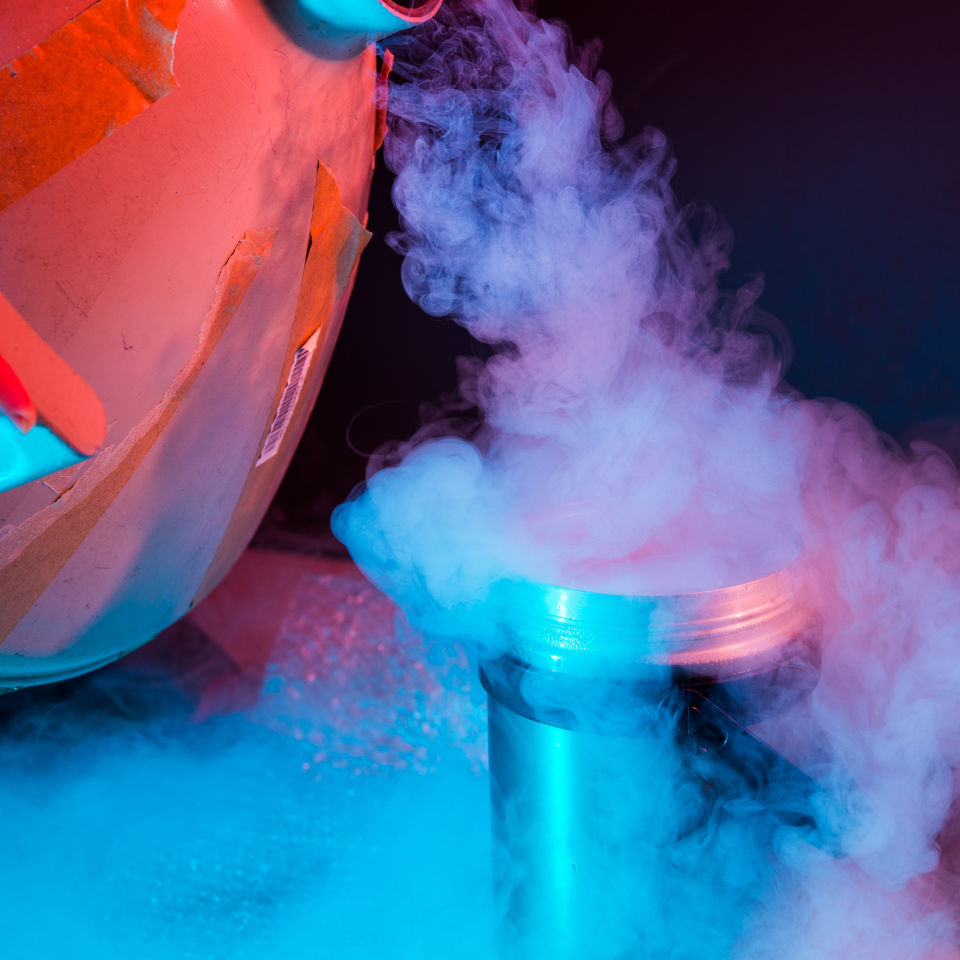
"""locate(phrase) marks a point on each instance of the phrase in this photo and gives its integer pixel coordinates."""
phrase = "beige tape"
(336, 241)
(35, 552)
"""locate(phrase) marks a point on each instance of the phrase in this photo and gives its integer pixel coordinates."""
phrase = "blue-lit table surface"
(283, 774)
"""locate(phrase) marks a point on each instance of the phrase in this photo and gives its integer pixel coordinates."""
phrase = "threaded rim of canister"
(734, 629)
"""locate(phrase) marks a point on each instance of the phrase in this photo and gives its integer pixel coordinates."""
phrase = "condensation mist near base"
(637, 437)
(341, 812)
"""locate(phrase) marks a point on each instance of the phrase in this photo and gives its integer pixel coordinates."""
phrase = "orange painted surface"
(82, 83)
(25, 576)
(27, 22)
(335, 243)
(15, 402)
(64, 401)
(115, 262)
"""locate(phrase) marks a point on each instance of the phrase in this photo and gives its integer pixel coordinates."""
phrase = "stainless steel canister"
(618, 737)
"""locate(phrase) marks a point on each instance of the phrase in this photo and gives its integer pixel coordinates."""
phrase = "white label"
(288, 400)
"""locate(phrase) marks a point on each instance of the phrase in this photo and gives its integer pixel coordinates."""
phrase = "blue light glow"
(29, 456)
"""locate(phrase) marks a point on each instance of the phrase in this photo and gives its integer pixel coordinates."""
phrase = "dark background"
(827, 136)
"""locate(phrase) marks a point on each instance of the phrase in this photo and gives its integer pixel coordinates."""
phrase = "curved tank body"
(182, 209)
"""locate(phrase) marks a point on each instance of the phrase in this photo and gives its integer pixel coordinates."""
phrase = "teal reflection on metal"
(29, 456)
(357, 17)
(579, 824)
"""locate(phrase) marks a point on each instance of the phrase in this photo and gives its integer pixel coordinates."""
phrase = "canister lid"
(722, 632)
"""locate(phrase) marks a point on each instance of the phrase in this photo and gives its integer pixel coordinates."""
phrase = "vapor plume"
(638, 437)
(150, 813)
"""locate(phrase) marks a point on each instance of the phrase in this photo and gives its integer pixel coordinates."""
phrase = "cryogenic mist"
(161, 809)
(638, 437)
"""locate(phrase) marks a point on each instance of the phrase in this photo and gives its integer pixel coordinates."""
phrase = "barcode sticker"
(288, 399)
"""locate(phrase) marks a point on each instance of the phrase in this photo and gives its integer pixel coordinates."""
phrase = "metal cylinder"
(618, 735)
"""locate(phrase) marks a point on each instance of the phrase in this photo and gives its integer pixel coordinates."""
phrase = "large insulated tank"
(183, 192)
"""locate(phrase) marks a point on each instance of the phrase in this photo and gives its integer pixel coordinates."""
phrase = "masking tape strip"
(380, 115)
(64, 401)
(35, 552)
(82, 83)
(336, 241)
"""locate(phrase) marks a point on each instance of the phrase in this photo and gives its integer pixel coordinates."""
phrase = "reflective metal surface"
(562, 630)
(566, 860)
(618, 741)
